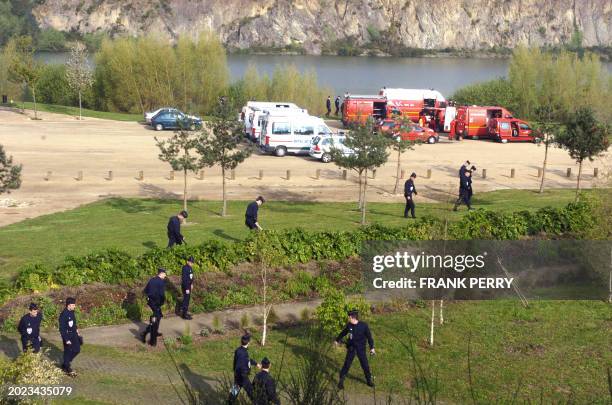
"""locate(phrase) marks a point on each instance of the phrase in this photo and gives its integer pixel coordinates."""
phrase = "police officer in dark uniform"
(29, 329)
(242, 367)
(264, 387)
(337, 104)
(328, 105)
(358, 333)
(71, 337)
(465, 186)
(409, 189)
(174, 229)
(156, 295)
(186, 287)
(250, 217)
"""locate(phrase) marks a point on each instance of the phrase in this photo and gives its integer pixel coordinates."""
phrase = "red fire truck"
(409, 102)
(510, 130)
(358, 108)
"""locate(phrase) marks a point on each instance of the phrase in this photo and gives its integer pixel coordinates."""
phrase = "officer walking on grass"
(242, 367)
(156, 295)
(250, 217)
(71, 338)
(465, 186)
(174, 229)
(409, 190)
(264, 386)
(187, 287)
(29, 329)
(358, 334)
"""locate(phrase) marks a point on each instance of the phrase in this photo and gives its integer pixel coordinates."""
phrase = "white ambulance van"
(283, 133)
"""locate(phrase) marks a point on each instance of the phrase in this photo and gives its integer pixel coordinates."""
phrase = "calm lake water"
(366, 75)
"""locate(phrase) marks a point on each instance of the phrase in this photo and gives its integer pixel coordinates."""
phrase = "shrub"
(332, 313)
(29, 368)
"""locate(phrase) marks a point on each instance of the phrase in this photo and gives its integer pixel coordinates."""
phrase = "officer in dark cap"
(264, 387)
(174, 229)
(409, 190)
(250, 217)
(242, 367)
(358, 333)
(70, 335)
(29, 329)
(156, 295)
(186, 287)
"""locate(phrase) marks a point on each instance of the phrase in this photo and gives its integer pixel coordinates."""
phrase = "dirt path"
(64, 146)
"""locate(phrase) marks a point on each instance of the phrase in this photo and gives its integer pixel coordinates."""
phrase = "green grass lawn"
(554, 349)
(136, 225)
(74, 111)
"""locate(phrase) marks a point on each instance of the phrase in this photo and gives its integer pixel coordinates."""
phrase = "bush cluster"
(295, 246)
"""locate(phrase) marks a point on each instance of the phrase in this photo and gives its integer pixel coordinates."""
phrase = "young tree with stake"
(10, 174)
(78, 74)
(400, 146)
(23, 68)
(223, 145)
(547, 128)
(584, 137)
(180, 151)
(370, 152)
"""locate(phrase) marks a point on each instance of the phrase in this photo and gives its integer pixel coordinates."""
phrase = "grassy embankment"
(135, 225)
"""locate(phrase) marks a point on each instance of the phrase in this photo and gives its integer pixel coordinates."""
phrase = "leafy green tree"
(584, 137)
(493, 92)
(546, 128)
(51, 40)
(369, 152)
(23, 67)
(222, 144)
(78, 73)
(10, 174)
(181, 152)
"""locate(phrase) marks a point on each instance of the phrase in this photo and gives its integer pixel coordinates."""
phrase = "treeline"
(562, 83)
(139, 74)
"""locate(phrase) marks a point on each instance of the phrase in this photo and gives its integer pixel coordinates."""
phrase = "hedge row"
(298, 246)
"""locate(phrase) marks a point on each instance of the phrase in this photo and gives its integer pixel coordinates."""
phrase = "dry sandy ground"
(64, 146)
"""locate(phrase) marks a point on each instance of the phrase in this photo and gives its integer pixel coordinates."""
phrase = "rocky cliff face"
(318, 25)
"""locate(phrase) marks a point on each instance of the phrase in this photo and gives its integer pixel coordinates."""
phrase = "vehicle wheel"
(159, 127)
(326, 158)
(431, 139)
(192, 127)
(475, 137)
(281, 151)
(504, 141)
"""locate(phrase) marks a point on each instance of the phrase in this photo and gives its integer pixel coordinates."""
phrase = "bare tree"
(78, 73)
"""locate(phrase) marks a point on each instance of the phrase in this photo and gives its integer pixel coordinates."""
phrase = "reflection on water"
(366, 75)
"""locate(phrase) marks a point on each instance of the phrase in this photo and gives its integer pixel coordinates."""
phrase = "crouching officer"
(156, 296)
(70, 335)
(358, 333)
(264, 387)
(242, 367)
(186, 287)
(29, 329)
(409, 190)
(250, 217)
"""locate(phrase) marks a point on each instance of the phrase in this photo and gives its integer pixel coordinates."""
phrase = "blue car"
(174, 119)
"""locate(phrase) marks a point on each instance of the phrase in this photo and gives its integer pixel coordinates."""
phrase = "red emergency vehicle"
(409, 132)
(414, 102)
(510, 130)
(358, 108)
(473, 121)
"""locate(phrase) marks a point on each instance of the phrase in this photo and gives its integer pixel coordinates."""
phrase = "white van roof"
(411, 94)
(264, 104)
